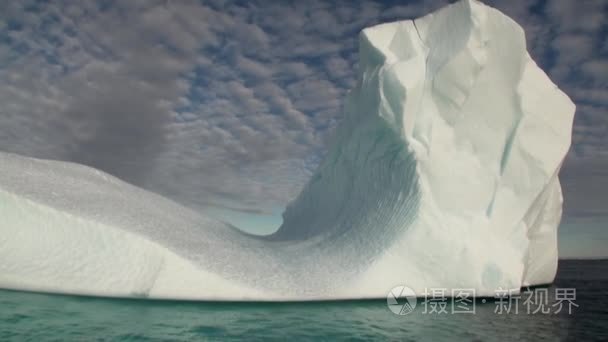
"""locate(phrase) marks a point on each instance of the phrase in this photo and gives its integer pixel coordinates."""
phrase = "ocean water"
(41, 317)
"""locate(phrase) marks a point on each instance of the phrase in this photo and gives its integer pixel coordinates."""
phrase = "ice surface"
(443, 173)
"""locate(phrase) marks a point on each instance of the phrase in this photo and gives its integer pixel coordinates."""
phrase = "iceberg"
(443, 174)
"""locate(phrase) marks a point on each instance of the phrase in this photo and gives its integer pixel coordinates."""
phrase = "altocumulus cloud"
(230, 103)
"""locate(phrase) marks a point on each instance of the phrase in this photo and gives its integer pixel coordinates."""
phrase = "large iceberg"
(443, 174)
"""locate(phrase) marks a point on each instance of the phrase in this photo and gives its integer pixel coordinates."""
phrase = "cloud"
(339, 68)
(596, 70)
(573, 47)
(231, 104)
(253, 68)
(584, 16)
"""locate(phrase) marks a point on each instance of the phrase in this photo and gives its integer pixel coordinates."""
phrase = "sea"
(574, 308)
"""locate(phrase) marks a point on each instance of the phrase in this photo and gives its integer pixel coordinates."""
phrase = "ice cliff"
(443, 173)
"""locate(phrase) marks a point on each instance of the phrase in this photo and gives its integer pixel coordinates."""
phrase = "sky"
(228, 106)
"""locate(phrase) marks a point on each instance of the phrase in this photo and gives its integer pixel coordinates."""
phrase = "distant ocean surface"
(41, 317)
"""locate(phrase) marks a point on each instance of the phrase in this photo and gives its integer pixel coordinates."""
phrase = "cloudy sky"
(228, 105)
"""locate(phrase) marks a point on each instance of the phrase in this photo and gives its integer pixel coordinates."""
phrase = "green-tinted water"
(36, 317)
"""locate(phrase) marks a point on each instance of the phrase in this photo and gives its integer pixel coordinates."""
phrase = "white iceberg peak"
(443, 173)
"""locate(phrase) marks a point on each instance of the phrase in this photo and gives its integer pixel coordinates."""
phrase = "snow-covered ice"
(443, 173)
